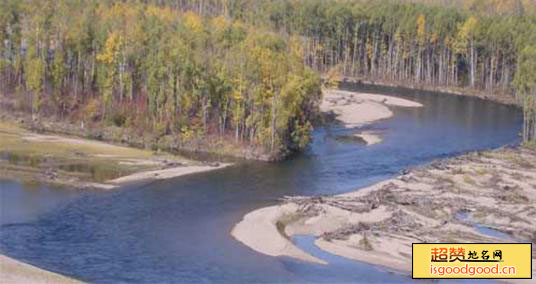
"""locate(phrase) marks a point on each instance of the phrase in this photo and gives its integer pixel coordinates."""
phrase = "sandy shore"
(352, 110)
(15, 272)
(260, 229)
(461, 199)
(144, 159)
(84, 163)
(165, 173)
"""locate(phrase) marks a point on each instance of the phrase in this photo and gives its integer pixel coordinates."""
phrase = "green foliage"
(35, 72)
(525, 82)
(182, 73)
(525, 79)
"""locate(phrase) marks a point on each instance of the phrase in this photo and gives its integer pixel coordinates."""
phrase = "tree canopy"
(160, 69)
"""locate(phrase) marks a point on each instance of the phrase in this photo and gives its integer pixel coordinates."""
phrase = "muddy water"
(178, 230)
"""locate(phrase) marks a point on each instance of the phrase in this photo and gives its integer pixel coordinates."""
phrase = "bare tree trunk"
(472, 65)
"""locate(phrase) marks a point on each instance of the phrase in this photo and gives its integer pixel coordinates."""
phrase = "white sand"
(342, 248)
(15, 272)
(166, 173)
(258, 230)
(357, 109)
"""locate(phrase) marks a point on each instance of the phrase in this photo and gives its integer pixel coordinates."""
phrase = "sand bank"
(260, 231)
(165, 173)
(15, 272)
(446, 201)
(354, 109)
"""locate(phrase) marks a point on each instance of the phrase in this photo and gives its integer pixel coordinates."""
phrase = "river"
(177, 230)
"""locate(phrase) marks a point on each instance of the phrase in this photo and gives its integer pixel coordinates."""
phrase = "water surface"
(178, 230)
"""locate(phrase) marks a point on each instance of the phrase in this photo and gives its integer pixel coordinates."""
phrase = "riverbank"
(264, 229)
(15, 272)
(82, 163)
(499, 96)
(354, 109)
(478, 197)
(215, 146)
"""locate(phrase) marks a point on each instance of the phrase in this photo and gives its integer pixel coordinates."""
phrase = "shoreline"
(445, 201)
(14, 272)
(351, 109)
(499, 97)
(86, 164)
(356, 109)
(215, 148)
(165, 173)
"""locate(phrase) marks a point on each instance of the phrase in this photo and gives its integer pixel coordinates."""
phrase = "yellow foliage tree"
(193, 21)
(421, 30)
(465, 34)
(111, 49)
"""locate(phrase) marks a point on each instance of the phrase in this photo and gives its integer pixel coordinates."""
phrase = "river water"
(177, 230)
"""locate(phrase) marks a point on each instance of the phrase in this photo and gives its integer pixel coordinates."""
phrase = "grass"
(522, 163)
(13, 141)
(519, 161)
(86, 159)
(284, 221)
(488, 155)
(530, 145)
(467, 179)
(365, 243)
(481, 171)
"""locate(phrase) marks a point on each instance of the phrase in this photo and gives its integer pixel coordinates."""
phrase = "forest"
(485, 46)
(247, 72)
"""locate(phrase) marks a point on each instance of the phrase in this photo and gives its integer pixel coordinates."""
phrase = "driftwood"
(314, 204)
(311, 206)
(344, 232)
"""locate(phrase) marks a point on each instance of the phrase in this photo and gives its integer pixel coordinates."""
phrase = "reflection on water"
(16, 159)
(94, 170)
(27, 202)
(97, 172)
(178, 230)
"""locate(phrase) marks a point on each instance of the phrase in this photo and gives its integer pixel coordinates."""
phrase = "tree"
(465, 44)
(34, 73)
(525, 82)
(109, 57)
